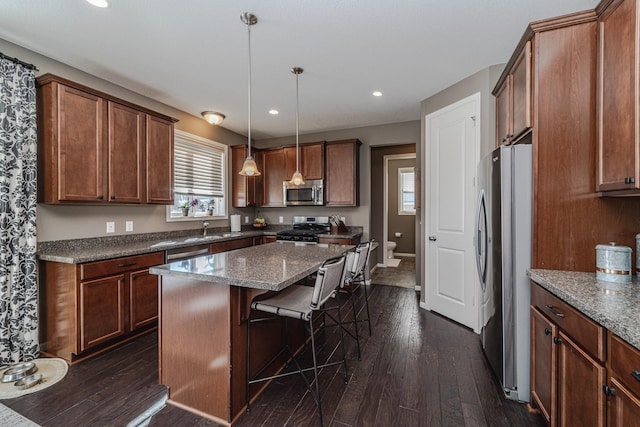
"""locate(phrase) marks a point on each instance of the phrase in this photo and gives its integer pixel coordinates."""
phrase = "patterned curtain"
(18, 274)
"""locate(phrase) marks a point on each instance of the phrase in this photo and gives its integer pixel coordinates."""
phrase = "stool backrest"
(360, 259)
(328, 279)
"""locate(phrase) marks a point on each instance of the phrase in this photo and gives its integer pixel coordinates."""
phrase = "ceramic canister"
(613, 263)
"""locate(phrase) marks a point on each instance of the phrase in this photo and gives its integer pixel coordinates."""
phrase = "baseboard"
(405, 255)
(424, 305)
(418, 288)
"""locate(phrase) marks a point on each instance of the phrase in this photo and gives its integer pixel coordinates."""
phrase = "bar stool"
(300, 302)
(355, 277)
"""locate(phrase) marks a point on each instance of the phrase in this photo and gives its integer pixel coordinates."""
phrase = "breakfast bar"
(204, 303)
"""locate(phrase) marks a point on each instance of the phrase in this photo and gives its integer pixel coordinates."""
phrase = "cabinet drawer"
(588, 334)
(92, 270)
(624, 363)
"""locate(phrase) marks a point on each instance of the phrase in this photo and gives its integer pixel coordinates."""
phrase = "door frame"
(385, 221)
(475, 97)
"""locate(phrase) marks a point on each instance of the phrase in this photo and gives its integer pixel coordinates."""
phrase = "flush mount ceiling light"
(99, 3)
(297, 178)
(274, 112)
(377, 93)
(213, 117)
(249, 167)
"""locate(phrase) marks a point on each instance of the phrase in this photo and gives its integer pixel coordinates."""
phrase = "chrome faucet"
(205, 224)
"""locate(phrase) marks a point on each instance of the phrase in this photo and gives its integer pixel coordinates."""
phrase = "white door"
(451, 157)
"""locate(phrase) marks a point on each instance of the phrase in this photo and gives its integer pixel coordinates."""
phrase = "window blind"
(199, 166)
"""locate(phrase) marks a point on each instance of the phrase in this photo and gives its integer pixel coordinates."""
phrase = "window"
(406, 191)
(199, 181)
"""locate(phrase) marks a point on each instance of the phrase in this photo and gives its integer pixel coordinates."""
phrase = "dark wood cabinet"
(102, 311)
(567, 362)
(581, 400)
(159, 159)
(92, 147)
(312, 157)
(93, 306)
(340, 240)
(230, 245)
(623, 394)
(126, 129)
(274, 173)
(268, 239)
(244, 189)
(513, 98)
(342, 163)
(543, 362)
(617, 110)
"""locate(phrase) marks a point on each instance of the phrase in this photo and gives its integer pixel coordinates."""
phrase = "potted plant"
(187, 205)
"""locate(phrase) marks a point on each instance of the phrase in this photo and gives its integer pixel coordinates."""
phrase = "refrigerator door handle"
(481, 240)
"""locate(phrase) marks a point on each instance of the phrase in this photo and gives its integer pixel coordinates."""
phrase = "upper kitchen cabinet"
(312, 160)
(618, 142)
(513, 98)
(276, 168)
(94, 148)
(342, 171)
(245, 189)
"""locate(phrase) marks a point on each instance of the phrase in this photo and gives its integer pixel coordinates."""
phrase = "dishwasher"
(178, 254)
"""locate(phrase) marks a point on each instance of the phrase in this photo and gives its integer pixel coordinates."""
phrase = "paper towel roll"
(235, 223)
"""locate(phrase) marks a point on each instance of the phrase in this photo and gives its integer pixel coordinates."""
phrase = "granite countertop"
(272, 267)
(100, 248)
(612, 305)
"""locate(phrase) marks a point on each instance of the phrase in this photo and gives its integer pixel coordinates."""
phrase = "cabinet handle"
(554, 311)
(557, 340)
(629, 180)
(547, 331)
(113, 197)
(636, 374)
(101, 197)
(609, 391)
(127, 264)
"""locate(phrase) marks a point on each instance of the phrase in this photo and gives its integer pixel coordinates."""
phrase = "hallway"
(404, 275)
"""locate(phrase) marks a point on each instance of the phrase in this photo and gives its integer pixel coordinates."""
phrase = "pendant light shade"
(249, 167)
(297, 178)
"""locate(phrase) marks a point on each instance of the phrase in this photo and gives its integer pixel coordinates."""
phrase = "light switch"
(246, 220)
(111, 227)
(128, 226)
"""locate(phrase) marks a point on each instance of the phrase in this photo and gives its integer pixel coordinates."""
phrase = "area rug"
(393, 262)
(52, 370)
(9, 417)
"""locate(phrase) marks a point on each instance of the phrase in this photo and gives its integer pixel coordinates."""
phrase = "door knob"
(432, 238)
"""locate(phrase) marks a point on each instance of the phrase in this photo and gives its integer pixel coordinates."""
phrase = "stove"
(305, 229)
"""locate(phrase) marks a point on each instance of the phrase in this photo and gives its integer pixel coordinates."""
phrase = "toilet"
(390, 248)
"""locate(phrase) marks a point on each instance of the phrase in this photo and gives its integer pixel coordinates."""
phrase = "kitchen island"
(204, 304)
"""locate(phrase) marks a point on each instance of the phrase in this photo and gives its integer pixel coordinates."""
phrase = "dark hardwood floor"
(417, 369)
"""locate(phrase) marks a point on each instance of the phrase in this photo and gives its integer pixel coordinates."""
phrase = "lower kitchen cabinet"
(623, 388)
(96, 305)
(230, 245)
(340, 240)
(567, 362)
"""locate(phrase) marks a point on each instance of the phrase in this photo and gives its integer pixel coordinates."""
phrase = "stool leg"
(248, 396)
(344, 353)
(315, 368)
(355, 321)
(366, 303)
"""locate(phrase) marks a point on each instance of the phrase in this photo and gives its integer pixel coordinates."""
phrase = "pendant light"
(297, 178)
(249, 167)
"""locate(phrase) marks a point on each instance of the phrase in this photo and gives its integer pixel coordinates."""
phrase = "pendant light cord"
(249, 89)
(297, 123)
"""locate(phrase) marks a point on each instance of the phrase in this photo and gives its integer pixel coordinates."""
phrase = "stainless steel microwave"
(311, 193)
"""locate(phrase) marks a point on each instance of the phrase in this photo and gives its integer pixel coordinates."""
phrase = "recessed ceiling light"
(377, 93)
(274, 112)
(99, 3)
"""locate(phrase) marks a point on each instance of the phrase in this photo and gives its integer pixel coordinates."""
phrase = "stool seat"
(291, 302)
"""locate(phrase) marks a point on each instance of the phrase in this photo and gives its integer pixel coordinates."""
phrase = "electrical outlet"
(343, 219)
(281, 219)
(246, 220)
(111, 227)
(128, 226)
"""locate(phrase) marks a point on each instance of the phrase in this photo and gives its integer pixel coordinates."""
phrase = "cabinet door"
(581, 401)
(503, 113)
(126, 148)
(81, 148)
(159, 160)
(543, 364)
(216, 248)
(290, 163)
(616, 111)
(243, 188)
(521, 93)
(312, 156)
(143, 297)
(342, 173)
(102, 310)
(273, 175)
(624, 406)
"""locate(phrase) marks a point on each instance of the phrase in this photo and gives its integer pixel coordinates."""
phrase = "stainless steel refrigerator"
(503, 255)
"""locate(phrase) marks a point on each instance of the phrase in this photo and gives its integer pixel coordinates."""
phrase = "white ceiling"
(192, 55)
